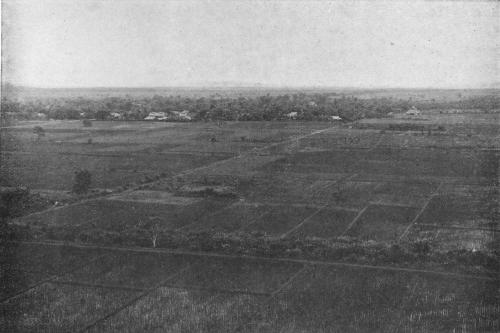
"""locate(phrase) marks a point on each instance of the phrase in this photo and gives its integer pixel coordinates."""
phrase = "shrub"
(11, 197)
(39, 132)
(82, 181)
(422, 247)
(87, 123)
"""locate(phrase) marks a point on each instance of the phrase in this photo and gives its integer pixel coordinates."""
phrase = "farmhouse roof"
(413, 111)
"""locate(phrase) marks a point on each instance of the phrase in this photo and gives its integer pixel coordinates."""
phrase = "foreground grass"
(175, 310)
(322, 300)
(56, 308)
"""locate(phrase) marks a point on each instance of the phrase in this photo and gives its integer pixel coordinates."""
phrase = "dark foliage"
(82, 182)
(317, 106)
(39, 131)
(87, 123)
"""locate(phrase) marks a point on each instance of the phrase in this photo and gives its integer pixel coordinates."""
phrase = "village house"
(181, 115)
(115, 116)
(413, 111)
(41, 116)
(156, 116)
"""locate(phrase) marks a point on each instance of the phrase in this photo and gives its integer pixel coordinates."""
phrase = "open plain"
(280, 226)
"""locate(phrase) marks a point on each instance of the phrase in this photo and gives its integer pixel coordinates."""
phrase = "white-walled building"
(413, 111)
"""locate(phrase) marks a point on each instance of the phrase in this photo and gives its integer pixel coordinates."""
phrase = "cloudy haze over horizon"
(271, 43)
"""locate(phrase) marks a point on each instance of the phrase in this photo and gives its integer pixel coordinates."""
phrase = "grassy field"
(151, 291)
(286, 179)
(256, 227)
(59, 308)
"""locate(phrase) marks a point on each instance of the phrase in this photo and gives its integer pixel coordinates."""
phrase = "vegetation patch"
(412, 253)
(232, 218)
(207, 190)
(187, 311)
(134, 270)
(154, 197)
(18, 201)
(237, 274)
(51, 307)
(354, 299)
(463, 211)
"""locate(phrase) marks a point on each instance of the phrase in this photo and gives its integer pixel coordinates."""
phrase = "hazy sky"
(286, 43)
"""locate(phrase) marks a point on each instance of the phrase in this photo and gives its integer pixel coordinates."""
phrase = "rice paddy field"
(256, 227)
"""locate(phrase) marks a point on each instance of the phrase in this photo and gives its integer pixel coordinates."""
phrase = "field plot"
(154, 197)
(358, 300)
(128, 270)
(333, 162)
(423, 168)
(74, 215)
(331, 300)
(178, 310)
(382, 223)
(25, 265)
(481, 191)
(59, 308)
(446, 131)
(434, 305)
(233, 137)
(280, 219)
(413, 193)
(346, 194)
(25, 141)
(462, 211)
(232, 218)
(49, 171)
(327, 223)
(389, 161)
(240, 166)
(246, 275)
(208, 293)
(229, 147)
(72, 125)
(339, 138)
(446, 140)
(121, 215)
(126, 152)
(285, 187)
(15, 281)
(50, 259)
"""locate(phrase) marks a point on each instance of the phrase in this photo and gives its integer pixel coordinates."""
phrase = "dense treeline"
(320, 106)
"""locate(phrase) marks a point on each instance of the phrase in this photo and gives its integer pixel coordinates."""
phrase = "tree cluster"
(318, 106)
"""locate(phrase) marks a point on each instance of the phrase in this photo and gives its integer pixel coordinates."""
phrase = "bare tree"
(154, 229)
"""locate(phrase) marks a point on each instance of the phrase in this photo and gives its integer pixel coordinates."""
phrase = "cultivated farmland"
(255, 226)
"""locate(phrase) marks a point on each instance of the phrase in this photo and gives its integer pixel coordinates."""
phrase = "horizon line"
(257, 86)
